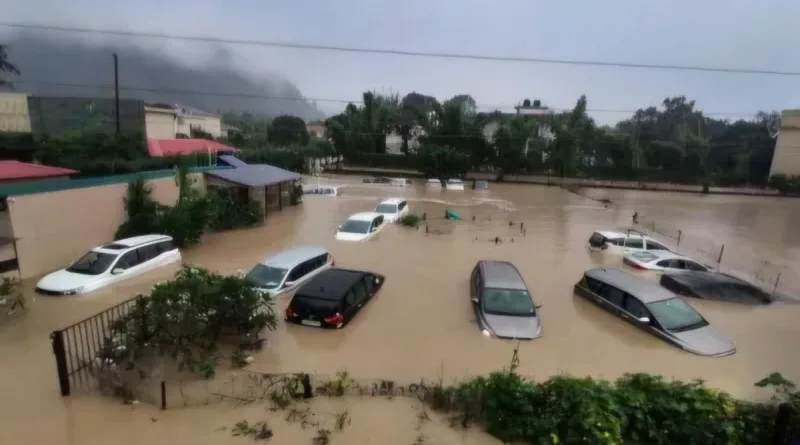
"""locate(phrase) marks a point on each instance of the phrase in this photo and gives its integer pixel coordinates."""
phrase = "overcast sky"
(758, 34)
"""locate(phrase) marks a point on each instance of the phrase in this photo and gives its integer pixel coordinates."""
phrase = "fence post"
(781, 424)
(308, 391)
(57, 338)
(163, 395)
(721, 251)
(777, 281)
(680, 234)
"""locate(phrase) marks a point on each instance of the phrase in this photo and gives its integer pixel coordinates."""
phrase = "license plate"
(311, 323)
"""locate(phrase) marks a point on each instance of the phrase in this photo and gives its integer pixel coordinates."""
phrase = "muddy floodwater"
(421, 324)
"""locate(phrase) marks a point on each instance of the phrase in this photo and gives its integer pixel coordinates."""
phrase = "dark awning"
(255, 175)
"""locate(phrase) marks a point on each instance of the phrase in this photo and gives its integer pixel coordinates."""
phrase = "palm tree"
(6, 67)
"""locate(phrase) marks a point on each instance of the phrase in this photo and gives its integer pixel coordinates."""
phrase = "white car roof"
(289, 258)
(365, 216)
(393, 201)
(624, 233)
(133, 242)
(660, 255)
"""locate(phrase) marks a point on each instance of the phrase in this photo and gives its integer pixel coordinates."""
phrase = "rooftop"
(641, 288)
(290, 257)
(364, 216)
(24, 170)
(394, 201)
(134, 241)
(330, 284)
(179, 147)
(254, 175)
(502, 275)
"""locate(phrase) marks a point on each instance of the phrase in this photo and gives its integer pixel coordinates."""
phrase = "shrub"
(411, 220)
(188, 318)
(228, 213)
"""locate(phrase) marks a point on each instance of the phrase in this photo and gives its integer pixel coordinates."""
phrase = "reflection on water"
(421, 323)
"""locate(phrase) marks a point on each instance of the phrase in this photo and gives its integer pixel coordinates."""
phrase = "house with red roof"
(181, 147)
(15, 171)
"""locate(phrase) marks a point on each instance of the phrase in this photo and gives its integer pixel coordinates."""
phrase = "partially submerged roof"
(643, 289)
(255, 175)
(127, 243)
(330, 284)
(365, 216)
(290, 257)
(502, 275)
(703, 279)
(24, 170)
(394, 201)
(181, 147)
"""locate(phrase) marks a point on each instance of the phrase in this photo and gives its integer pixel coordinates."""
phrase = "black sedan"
(715, 286)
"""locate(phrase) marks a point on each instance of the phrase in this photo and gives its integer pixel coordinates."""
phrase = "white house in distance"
(164, 121)
(536, 109)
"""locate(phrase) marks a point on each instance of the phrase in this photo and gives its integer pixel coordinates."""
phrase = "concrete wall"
(209, 124)
(53, 229)
(786, 159)
(160, 124)
(14, 115)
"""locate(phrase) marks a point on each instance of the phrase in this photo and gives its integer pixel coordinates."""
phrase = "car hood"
(507, 326)
(706, 341)
(346, 236)
(63, 280)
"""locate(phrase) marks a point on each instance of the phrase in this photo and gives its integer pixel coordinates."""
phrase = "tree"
(6, 67)
(467, 103)
(441, 162)
(287, 130)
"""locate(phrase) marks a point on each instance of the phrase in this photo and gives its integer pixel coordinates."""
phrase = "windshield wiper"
(690, 327)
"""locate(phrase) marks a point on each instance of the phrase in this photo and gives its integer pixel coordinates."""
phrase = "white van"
(111, 263)
(284, 271)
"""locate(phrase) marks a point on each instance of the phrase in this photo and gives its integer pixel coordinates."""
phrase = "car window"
(350, 298)
(355, 226)
(147, 253)
(635, 307)
(594, 285)
(652, 245)
(612, 295)
(691, 265)
(369, 282)
(359, 291)
(664, 263)
(508, 302)
(128, 260)
(165, 246)
(634, 243)
(386, 208)
(678, 264)
(402, 205)
(93, 263)
(676, 315)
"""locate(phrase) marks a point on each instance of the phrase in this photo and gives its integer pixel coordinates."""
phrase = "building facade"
(176, 122)
(786, 159)
(14, 114)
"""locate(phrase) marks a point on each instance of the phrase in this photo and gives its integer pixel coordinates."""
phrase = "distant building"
(786, 159)
(15, 171)
(165, 121)
(14, 115)
(544, 130)
(316, 131)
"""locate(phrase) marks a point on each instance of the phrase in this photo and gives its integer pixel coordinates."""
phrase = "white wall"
(209, 124)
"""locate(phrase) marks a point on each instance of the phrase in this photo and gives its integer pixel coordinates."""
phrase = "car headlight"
(77, 290)
(486, 333)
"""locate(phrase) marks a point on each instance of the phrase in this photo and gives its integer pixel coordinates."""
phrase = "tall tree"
(6, 67)
(288, 130)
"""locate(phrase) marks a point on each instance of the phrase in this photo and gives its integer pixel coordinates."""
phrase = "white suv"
(392, 209)
(623, 241)
(111, 263)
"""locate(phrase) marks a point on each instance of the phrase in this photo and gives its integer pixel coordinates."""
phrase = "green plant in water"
(323, 437)
(257, 431)
(338, 385)
(411, 220)
(342, 420)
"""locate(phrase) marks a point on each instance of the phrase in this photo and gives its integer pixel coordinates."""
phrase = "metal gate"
(77, 347)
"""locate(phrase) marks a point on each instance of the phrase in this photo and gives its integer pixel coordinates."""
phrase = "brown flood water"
(421, 324)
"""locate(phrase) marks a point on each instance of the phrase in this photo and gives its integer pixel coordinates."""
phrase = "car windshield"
(386, 208)
(93, 263)
(676, 315)
(508, 302)
(355, 226)
(266, 277)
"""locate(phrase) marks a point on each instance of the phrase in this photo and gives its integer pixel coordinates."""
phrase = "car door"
(633, 244)
(611, 298)
(150, 257)
(295, 277)
(130, 265)
(634, 310)
(360, 294)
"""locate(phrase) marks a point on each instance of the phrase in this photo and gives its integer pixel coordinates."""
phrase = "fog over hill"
(60, 67)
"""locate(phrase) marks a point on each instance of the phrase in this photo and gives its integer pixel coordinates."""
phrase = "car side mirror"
(288, 284)
(644, 320)
(474, 300)
(117, 271)
(339, 228)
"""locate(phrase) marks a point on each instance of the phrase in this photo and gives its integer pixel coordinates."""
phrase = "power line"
(397, 52)
(319, 99)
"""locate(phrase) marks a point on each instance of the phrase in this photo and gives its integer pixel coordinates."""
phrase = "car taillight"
(290, 313)
(335, 319)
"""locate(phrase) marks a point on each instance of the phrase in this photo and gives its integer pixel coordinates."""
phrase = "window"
(299, 271)
(652, 245)
(691, 265)
(634, 243)
(360, 291)
(617, 241)
(93, 263)
(166, 246)
(508, 302)
(676, 315)
(594, 285)
(635, 307)
(369, 282)
(147, 253)
(386, 208)
(664, 263)
(612, 295)
(266, 277)
(128, 260)
(350, 298)
(355, 226)
(402, 205)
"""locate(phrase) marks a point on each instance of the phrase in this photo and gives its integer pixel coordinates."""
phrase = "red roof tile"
(23, 170)
(178, 147)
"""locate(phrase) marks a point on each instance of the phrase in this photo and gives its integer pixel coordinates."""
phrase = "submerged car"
(280, 273)
(333, 298)
(501, 301)
(392, 209)
(360, 227)
(623, 241)
(650, 307)
(326, 190)
(715, 286)
(111, 263)
(663, 261)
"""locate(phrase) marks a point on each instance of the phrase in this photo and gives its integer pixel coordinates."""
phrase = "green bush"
(636, 409)
(228, 213)
(411, 220)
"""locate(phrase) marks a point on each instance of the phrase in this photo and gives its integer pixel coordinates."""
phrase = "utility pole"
(116, 94)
